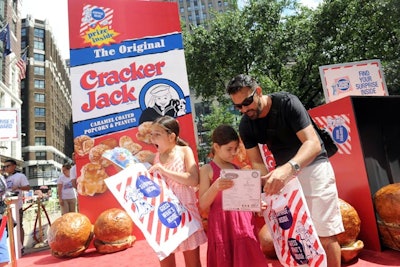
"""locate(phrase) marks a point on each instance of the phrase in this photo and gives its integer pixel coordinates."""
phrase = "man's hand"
(277, 179)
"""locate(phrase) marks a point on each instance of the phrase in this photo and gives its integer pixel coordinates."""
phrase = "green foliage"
(283, 44)
(221, 114)
(214, 55)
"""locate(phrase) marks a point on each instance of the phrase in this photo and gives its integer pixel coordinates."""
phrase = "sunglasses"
(247, 101)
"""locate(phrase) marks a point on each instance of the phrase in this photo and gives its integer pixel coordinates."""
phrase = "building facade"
(46, 112)
(198, 12)
(10, 145)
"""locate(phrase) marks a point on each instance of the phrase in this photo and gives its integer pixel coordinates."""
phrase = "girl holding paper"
(175, 161)
(231, 238)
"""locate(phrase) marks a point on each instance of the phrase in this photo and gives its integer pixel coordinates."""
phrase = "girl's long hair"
(171, 125)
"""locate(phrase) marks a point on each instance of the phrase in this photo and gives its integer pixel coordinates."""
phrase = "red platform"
(141, 254)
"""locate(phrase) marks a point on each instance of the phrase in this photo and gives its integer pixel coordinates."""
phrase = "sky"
(56, 13)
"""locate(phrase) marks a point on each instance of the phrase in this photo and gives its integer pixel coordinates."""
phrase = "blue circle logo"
(297, 251)
(147, 186)
(343, 84)
(340, 134)
(285, 218)
(98, 14)
(169, 215)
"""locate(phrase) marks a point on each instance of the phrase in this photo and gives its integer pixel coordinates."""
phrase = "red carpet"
(141, 254)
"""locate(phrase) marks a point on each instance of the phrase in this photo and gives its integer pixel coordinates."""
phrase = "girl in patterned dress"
(175, 162)
(231, 238)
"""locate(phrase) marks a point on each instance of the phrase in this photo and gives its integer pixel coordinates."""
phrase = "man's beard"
(254, 114)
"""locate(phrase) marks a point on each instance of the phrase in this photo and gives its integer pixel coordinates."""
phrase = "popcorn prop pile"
(113, 231)
(387, 206)
(266, 242)
(350, 246)
(70, 235)
(101, 156)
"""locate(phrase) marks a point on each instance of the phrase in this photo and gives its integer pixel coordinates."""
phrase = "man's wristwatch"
(295, 166)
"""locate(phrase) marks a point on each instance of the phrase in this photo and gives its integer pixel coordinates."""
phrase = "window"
(23, 32)
(39, 70)
(38, 45)
(40, 126)
(39, 84)
(39, 33)
(40, 155)
(38, 57)
(40, 112)
(40, 141)
(40, 98)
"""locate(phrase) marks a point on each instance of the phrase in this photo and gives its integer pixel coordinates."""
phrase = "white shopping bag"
(153, 207)
(295, 239)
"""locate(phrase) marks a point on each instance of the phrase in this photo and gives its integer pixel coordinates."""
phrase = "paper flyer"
(245, 195)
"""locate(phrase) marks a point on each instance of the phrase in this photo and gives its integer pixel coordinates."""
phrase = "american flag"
(21, 64)
(5, 37)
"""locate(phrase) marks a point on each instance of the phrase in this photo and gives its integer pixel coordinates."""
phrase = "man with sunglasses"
(280, 121)
(17, 183)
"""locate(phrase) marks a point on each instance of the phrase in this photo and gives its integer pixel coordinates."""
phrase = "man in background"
(17, 183)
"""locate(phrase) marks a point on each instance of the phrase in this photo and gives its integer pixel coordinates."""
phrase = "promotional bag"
(294, 236)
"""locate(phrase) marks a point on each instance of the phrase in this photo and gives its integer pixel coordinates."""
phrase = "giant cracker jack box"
(127, 67)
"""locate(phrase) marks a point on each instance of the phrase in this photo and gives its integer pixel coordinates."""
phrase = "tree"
(220, 114)
(214, 55)
(283, 44)
(352, 30)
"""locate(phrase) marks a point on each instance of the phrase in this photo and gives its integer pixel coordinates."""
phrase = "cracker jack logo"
(96, 25)
(341, 85)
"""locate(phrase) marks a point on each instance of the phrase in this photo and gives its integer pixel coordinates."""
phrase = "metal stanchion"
(40, 243)
(10, 229)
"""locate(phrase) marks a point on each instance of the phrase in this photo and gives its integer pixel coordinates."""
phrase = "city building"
(198, 12)
(46, 110)
(10, 102)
